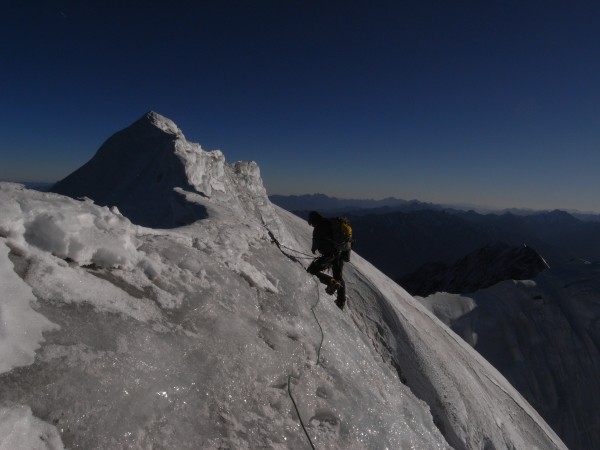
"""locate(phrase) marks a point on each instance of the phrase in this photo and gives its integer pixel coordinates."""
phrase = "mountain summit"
(158, 179)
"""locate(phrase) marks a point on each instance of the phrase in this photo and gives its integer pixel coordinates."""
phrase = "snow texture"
(187, 337)
(21, 327)
(20, 430)
(541, 334)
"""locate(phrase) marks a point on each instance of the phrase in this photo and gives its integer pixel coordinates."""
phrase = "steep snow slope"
(543, 335)
(472, 403)
(195, 337)
(186, 339)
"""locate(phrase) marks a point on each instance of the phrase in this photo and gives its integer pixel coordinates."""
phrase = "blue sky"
(493, 103)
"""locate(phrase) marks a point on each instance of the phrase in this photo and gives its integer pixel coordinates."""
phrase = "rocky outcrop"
(480, 269)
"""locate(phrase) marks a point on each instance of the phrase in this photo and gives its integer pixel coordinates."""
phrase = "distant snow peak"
(158, 179)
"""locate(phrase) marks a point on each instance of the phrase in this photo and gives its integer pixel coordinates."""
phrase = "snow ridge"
(165, 124)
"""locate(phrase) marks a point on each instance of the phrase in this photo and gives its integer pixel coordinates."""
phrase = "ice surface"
(85, 235)
(20, 430)
(21, 327)
(448, 307)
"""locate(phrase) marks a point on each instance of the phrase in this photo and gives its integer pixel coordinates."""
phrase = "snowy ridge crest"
(163, 123)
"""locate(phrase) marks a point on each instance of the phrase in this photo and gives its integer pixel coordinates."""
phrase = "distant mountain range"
(399, 237)
(333, 205)
(37, 186)
(330, 205)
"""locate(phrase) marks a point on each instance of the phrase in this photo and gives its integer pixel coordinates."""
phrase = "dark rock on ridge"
(480, 269)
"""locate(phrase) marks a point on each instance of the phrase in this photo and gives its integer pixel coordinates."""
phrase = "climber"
(332, 237)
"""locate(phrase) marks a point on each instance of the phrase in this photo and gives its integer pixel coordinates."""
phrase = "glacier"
(201, 333)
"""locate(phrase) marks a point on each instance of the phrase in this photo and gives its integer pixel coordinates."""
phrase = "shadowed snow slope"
(187, 338)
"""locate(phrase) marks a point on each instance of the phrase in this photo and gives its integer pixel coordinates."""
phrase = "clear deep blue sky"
(485, 102)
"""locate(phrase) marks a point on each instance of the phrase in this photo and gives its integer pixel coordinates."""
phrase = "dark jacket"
(322, 238)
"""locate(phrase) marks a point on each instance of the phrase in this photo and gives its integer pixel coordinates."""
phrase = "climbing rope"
(312, 309)
(298, 412)
(318, 323)
(299, 252)
(281, 247)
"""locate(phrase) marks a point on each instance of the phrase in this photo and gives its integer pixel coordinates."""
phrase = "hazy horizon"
(458, 204)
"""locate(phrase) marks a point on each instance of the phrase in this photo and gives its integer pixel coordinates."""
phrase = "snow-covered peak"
(158, 179)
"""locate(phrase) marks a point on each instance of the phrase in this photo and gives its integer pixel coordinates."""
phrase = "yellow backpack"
(341, 233)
